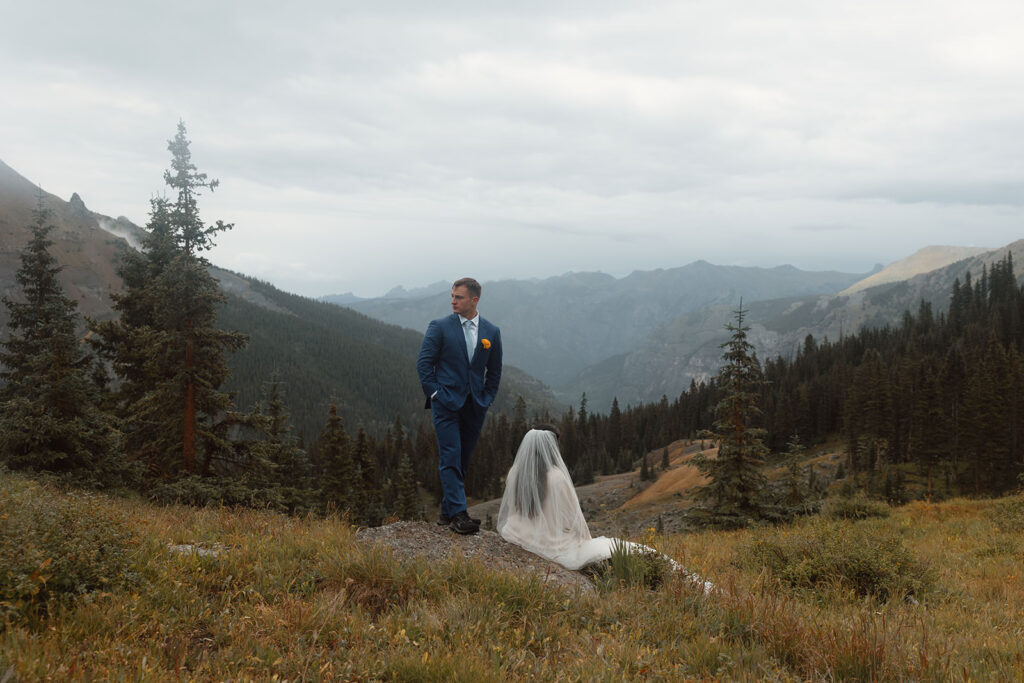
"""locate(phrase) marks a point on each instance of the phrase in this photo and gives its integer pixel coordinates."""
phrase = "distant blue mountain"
(556, 327)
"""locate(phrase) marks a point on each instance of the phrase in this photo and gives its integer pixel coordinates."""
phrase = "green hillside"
(319, 351)
(323, 351)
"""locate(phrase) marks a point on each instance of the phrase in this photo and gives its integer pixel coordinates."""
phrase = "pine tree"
(369, 508)
(50, 420)
(165, 347)
(736, 481)
(289, 461)
(407, 505)
(614, 438)
(793, 493)
(519, 417)
(276, 464)
(336, 469)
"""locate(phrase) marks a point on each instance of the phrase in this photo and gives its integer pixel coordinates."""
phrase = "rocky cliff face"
(88, 252)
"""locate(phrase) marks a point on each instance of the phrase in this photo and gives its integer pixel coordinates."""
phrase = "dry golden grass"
(300, 599)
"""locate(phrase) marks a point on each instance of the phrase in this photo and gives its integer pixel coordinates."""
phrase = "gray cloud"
(366, 145)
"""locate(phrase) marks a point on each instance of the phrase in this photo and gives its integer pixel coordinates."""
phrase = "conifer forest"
(143, 405)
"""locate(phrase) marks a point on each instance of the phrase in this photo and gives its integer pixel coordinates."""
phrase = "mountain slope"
(322, 351)
(88, 253)
(922, 261)
(689, 346)
(556, 327)
(319, 351)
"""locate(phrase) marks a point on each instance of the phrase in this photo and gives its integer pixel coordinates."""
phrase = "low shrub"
(865, 559)
(631, 567)
(1008, 514)
(204, 491)
(56, 546)
(855, 507)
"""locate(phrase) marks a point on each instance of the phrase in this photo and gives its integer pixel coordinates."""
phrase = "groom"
(459, 367)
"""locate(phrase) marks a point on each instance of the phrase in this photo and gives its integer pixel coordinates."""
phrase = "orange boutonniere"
(486, 343)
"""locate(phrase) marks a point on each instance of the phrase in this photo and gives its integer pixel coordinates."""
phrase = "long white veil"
(541, 512)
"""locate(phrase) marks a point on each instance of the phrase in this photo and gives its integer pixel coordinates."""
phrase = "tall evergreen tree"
(289, 461)
(646, 472)
(165, 347)
(736, 481)
(793, 492)
(407, 504)
(369, 507)
(337, 472)
(49, 419)
(276, 463)
(613, 439)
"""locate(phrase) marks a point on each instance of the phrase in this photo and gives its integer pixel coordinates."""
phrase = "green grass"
(301, 600)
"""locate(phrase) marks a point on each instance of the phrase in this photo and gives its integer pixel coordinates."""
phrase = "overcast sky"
(363, 145)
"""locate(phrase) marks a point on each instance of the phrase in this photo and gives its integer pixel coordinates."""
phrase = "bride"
(541, 513)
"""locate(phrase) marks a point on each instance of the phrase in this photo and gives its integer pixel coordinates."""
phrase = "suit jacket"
(444, 367)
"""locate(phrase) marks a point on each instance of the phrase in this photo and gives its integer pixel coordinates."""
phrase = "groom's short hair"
(469, 283)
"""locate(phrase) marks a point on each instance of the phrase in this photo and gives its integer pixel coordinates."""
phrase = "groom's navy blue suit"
(459, 392)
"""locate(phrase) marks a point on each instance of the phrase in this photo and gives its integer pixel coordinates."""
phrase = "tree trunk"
(189, 432)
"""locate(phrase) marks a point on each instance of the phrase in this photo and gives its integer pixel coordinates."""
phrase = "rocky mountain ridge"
(556, 327)
(649, 334)
(923, 260)
(319, 351)
(688, 347)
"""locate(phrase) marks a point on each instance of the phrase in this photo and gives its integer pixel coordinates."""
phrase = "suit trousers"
(457, 432)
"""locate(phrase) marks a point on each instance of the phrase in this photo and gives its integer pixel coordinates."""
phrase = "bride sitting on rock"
(541, 513)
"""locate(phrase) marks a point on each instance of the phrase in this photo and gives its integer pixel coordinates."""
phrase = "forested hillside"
(327, 410)
(318, 351)
(687, 347)
(194, 384)
(938, 393)
(321, 352)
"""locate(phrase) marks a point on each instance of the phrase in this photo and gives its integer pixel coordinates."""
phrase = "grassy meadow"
(91, 588)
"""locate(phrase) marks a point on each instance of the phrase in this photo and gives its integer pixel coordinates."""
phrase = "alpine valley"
(634, 339)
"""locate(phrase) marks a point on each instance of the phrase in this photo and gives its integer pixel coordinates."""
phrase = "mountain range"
(635, 338)
(557, 327)
(319, 351)
(688, 347)
(647, 335)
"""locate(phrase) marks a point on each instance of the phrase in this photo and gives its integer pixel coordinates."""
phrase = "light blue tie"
(467, 327)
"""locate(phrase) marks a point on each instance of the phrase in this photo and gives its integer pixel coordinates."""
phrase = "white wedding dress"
(541, 512)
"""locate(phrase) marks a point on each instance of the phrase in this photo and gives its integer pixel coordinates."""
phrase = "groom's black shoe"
(445, 520)
(462, 524)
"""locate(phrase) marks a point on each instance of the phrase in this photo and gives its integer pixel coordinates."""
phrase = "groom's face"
(463, 302)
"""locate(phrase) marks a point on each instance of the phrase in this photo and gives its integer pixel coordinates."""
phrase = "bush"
(631, 567)
(54, 546)
(862, 558)
(855, 507)
(1008, 514)
(200, 491)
